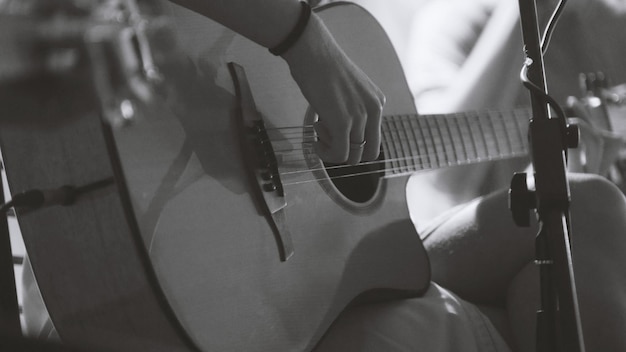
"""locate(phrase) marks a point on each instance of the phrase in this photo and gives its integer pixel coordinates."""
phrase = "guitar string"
(417, 159)
(414, 157)
(297, 135)
(301, 132)
(422, 166)
(308, 131)
(510, 114)
(302, 138)
(384, 170)
(392, 169)
(311, 128)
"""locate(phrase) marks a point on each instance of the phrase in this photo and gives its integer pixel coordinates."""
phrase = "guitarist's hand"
(348, 103)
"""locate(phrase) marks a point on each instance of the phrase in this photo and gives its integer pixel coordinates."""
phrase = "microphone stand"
(558, 317)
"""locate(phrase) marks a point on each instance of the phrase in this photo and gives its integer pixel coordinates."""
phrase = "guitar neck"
(413, 143)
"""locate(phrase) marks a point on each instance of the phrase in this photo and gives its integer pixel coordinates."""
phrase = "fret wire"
(506, 132)
(409, 142)
(402, 149)
(430, 139)
(471, 150)
(422, 132)
(417, 161)
(392, 155)
(440, 151)
(395, 155)
(477, 134)
(504, 117)
(414, 126)
(387, 129)
(406, 126)
(461, 137)
(455, 157)
(482, 134)
(508, 120)
(399, 158)
(394, 141)
(495, 136)
(421, 143)
(469, 129)
(410, 163)
(443, 142)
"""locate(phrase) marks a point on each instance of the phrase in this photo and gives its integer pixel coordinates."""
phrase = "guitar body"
(212, 247)
(181, 251)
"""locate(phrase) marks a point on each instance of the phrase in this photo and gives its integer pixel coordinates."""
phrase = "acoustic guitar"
(207, 222)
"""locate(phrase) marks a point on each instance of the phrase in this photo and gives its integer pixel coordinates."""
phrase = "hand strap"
(296, 32)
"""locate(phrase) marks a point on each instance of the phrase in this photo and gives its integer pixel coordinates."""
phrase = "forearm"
(348, 103)
(265, 22)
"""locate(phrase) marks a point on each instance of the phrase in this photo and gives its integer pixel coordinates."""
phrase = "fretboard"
(413, 143)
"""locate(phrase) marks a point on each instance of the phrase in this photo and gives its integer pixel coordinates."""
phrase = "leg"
(484, 257)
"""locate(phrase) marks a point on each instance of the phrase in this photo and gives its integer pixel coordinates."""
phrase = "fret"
(435, 139)
(419, 142)
(454, 160)
(482, 149)
(507, 132)
(413, 152)
(425, 133)
(461, 139)
(503, 137)
(418, 155)
(473, 149)
(442, 157)
(403, 162)
(393, 140)
(390, 152)
(494, 147)
(444, 143)
(514, 134)
(512, 131)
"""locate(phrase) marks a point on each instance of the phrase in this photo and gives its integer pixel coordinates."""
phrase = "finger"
(372, 131)
(331, 145)
(356, 152)
(357, 141)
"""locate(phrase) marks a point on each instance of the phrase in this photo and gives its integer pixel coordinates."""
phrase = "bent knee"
(598, 207)
(593, 191)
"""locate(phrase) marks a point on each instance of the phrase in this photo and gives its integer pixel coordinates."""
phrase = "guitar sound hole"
(357, 183)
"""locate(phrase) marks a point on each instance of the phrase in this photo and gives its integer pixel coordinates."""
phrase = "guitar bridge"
(262, 164)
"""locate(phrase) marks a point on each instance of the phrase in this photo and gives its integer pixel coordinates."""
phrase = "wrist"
(315, 40)
(296, 32)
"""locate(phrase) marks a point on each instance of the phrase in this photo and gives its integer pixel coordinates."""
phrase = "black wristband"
(295, 33)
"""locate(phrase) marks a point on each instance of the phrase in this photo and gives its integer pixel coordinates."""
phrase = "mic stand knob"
(521, 199)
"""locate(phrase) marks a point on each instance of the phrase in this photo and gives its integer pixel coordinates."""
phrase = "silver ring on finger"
(354, 146)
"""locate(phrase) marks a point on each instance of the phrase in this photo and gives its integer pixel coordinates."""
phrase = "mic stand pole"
(558, 317)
